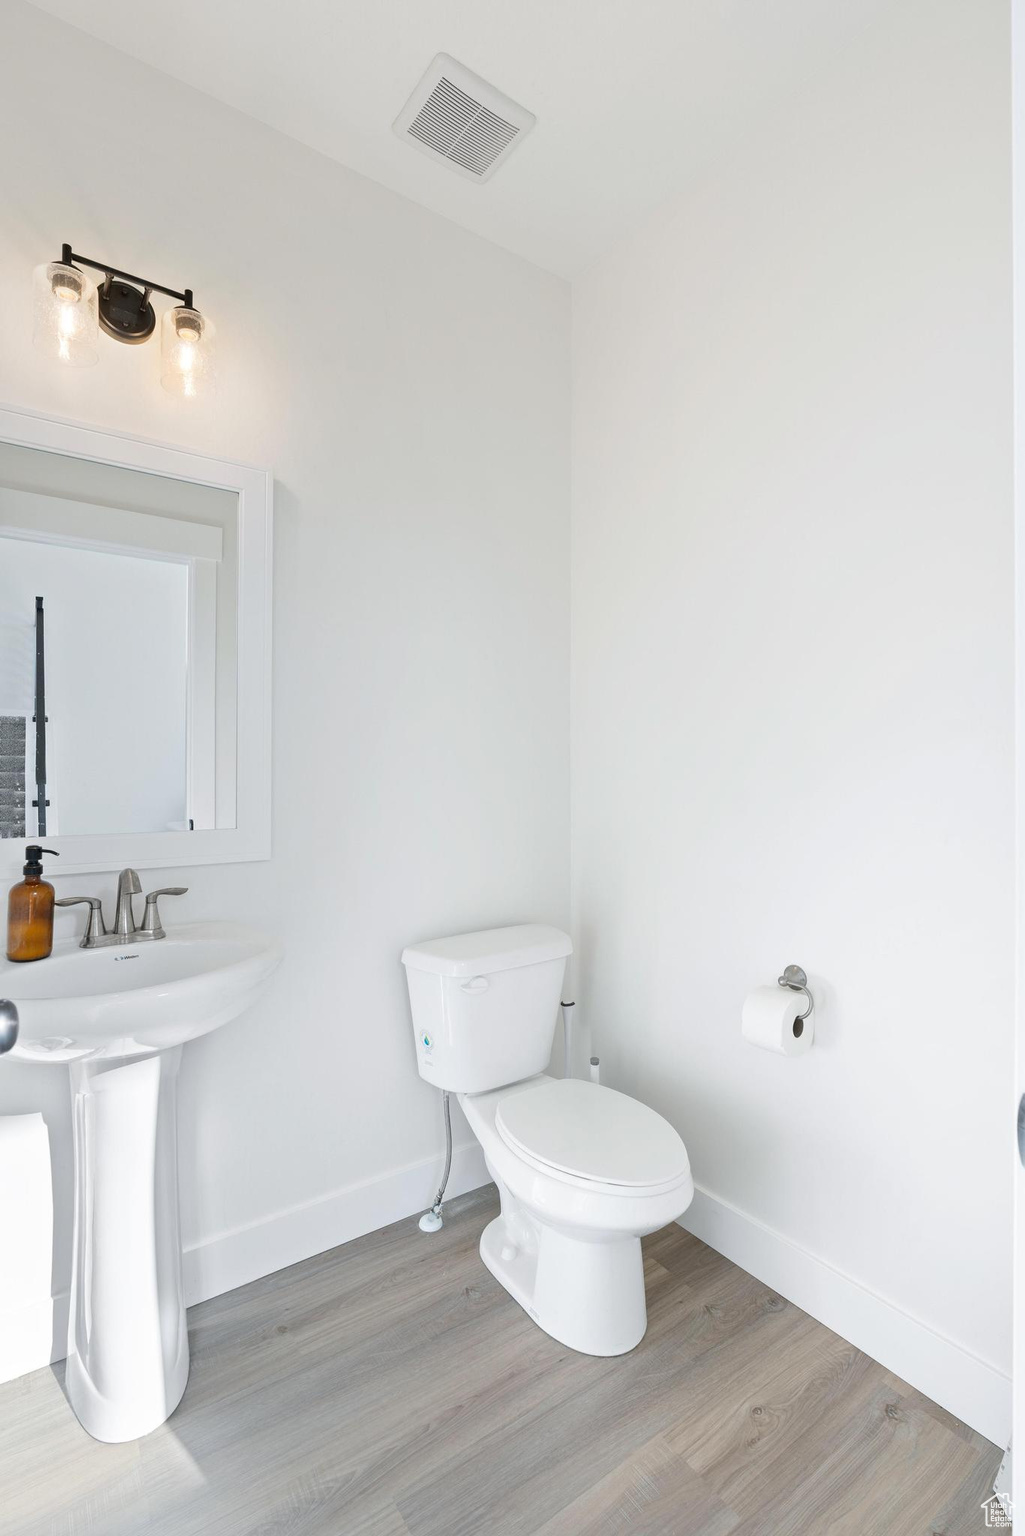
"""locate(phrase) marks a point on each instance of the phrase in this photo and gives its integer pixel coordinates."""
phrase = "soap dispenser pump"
(30, 910)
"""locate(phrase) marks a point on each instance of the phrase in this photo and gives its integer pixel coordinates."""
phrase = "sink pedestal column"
(128, 1345)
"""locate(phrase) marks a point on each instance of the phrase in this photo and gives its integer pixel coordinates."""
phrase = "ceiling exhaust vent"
(455, 116)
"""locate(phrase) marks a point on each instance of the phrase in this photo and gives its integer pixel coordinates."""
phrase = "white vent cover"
(455, 116)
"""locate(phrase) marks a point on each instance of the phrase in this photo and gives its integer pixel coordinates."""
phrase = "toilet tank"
(485, 1005)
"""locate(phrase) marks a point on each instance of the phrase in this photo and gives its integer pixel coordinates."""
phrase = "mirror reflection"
(117, 649)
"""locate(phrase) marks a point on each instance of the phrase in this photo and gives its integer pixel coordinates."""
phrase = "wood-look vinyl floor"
(392, 1388)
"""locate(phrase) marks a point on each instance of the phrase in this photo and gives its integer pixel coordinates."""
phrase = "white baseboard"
(230, 1259)
(972, 1389)
(35, 1335)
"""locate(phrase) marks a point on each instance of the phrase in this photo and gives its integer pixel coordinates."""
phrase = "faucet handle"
(94, 929)
(152, 927)
(8, 1025)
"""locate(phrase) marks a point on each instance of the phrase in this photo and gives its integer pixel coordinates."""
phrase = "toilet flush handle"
(475, 984)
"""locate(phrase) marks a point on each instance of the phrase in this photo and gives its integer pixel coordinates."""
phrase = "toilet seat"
(580, 1131)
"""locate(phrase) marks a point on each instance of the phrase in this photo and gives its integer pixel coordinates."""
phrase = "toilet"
(583, 1172)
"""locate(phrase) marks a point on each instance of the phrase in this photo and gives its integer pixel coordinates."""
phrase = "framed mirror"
(135, 585)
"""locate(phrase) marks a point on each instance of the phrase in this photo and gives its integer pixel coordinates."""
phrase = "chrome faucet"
(124, 917)
(125, 930)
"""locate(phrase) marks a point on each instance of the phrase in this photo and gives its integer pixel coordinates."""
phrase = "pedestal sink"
(119, 1017)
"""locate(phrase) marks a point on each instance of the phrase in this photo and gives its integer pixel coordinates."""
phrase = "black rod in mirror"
(39, 720)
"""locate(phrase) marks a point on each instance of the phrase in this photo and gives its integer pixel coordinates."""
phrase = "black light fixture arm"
(70, 257)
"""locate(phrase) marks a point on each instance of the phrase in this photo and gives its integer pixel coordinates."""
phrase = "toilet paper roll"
(770, 1020)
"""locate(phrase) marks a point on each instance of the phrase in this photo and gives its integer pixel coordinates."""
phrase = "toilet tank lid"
(494, 949)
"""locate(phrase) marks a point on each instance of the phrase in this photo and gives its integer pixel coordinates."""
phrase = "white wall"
(408, 384)
(792, 676)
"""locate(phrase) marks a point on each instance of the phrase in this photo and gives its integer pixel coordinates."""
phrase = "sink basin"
(135, 999)
(119, 1018)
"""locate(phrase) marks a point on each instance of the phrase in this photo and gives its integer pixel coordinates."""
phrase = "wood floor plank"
(555, 1452)
(321, 1506)
(392, 1388)
(962, 1514)
(745, 1432)
(654, 1491)
(39, 1434)
(883, 1467)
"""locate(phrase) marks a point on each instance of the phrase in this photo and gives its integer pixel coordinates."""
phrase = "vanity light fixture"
(70, 308)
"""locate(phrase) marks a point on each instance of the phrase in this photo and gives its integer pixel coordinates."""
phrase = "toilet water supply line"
(433, 1220)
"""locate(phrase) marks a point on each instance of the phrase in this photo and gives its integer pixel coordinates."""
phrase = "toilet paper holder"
(796, 979)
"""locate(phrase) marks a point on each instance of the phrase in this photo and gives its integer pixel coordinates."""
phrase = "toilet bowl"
(583, 1172)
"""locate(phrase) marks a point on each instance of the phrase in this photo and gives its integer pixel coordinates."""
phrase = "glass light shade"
(66, 314)
(186, 339)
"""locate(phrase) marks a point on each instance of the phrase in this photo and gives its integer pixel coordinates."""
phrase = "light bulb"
(185, 342)
(66, 314)
(65, 288)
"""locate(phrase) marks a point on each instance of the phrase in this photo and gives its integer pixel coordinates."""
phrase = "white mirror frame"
(250, 838)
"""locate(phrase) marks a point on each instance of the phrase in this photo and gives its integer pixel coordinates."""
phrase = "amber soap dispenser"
(30, 910)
